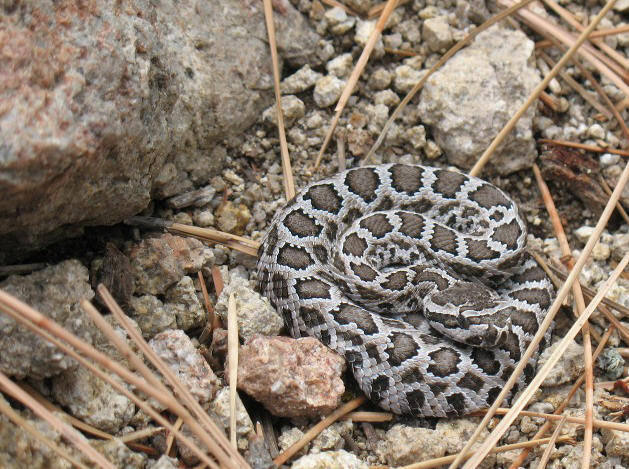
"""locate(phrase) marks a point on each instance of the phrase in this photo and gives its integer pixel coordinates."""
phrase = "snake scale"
(417, 276)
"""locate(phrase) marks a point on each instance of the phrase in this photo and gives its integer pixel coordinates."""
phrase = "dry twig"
(584, 146)
(289, 182)
(239, 243)
(232, 353)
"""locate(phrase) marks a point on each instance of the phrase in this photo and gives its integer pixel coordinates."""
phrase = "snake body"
(417, 276)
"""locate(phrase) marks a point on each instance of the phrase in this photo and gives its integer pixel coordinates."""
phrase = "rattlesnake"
(417, 276)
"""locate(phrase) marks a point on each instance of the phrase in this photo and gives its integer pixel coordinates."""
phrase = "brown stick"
(583, 146)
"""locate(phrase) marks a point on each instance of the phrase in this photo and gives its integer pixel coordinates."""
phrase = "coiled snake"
(417, 276)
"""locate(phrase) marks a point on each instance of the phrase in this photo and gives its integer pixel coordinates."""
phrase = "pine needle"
(580, 307)
(551, 444)
(232, 352)
(372, 417)
(623, 427)
(239, 243)
(438, 462)
(517, 462)
(586, 95)
(583, 146)
(572, 21)
(77, 440)
(17, 419)
(289, 181)
(212, 436)
(602, 63)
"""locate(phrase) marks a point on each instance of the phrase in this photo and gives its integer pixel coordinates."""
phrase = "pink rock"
(291, 377)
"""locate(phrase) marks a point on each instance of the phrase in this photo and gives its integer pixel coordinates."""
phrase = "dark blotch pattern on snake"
(417, 276)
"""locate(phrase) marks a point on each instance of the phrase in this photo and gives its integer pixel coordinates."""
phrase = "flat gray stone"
(474, 95)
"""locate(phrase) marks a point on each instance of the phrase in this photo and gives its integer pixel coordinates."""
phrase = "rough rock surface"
(291, 377)
(569, 367)
(162, 261)
(91, 399)
(151, 316)
(164, 462)
(19, 450)
(121, 101)
(616, 443)
(255, 313)
(55, 292)
(176, 349)
(183, 303)
(503, 77)
(329, 460)
(120, 455)
(333, 437)
(244, 425)
(406, 445)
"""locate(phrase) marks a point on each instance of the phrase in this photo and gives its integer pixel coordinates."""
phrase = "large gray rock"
(473, 96)
(104, 105)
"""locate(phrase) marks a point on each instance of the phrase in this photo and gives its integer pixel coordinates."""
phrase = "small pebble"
(329, 460)
(596, 131)
(300, 81)
(328, 90)
(293, 109)
(609, 159)
(380, 79)
(437, 34)
(432, 150)
(612, 363)
(340, 66)
(338, 21)
(583, 233)
(386, 97)
(406, 78)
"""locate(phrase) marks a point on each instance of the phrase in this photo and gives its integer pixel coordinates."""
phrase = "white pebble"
(609, 159)
(340, 66)
(601, 251)
(583, 233)
(203, 218)
(328, 90)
